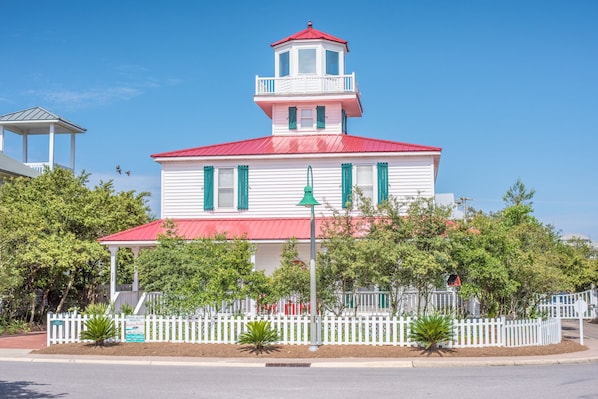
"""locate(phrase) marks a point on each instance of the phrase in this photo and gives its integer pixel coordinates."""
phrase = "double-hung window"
(365, 180)
(226, 188)
(362, 177)
(307, 118)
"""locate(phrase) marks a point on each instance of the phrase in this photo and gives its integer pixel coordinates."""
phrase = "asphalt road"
(94, 381)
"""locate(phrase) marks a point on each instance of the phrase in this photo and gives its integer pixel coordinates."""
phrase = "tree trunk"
(65, 294)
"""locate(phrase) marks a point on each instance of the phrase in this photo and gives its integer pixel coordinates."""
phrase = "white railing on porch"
(306, 84)
(39, 166)
(358, 303)
(294, 330)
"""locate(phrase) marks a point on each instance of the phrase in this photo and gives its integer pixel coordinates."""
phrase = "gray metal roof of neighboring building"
(14, 168)
(36, 120)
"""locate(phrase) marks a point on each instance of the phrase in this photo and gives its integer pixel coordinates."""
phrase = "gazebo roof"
(36, 120)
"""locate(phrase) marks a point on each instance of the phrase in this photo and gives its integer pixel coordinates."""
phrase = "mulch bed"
(297, 351)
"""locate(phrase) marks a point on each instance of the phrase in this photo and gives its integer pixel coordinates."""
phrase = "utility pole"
(463, 202)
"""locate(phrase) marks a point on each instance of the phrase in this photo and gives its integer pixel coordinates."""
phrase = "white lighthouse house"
(251, 187)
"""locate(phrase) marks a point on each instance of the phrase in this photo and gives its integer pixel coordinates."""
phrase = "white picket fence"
(563, 305)
(294, 330)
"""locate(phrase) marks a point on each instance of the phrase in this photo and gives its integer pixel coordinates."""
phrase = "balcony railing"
(306, 84)
(39, 166)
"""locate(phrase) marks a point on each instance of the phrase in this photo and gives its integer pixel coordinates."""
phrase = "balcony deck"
(306, 84)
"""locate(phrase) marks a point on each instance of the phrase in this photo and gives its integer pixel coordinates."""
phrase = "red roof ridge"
(299, 144)
(310, 34)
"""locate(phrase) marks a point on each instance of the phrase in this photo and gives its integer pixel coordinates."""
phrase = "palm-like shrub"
(431, 330)
(99, 329)
(96, 309)
(259, 335)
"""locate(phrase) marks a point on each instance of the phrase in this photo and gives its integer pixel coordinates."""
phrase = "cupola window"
(283, 64)
(331, 62)
(307, 60)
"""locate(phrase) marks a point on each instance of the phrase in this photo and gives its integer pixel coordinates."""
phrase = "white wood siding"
(276, 185)
(280, 118)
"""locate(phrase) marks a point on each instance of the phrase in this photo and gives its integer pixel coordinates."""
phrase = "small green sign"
(57, 322)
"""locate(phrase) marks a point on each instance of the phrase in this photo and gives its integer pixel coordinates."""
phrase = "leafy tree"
(49, 226)
(518, 195)
(292, 277)
(206, 273)
(339, 268)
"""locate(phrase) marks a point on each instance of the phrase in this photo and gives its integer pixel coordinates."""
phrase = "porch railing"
(306, 84)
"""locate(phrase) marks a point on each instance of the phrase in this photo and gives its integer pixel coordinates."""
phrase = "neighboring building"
(252, 187)
(34, 121)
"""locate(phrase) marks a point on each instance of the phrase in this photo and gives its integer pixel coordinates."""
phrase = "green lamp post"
(310, 202)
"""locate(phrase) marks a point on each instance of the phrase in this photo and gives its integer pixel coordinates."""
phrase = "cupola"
(309, 83)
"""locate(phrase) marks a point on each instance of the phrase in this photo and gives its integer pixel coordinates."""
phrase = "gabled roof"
(14, 168)
(35, 121)
(299, 144)
(254, 229)
(312, 34)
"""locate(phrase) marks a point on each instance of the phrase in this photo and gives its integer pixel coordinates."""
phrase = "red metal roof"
(253, 229)
(310, 34)
(300, 144)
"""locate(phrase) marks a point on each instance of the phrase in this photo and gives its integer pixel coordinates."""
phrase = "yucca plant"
(260, 335)
(99, 329)
(431, 330)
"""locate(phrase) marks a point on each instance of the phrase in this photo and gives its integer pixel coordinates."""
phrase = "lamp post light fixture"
(310, 202)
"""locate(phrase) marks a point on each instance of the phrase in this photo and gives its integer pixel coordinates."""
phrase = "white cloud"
(81, 99)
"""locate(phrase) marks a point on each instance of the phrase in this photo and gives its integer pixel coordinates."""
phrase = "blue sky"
(508, 89)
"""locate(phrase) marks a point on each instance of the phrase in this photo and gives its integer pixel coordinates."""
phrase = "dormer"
(309, 83)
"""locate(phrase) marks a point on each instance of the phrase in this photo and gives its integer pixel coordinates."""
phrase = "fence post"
(503, 331)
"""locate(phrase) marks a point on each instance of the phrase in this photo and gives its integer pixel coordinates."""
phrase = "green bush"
(96, 309)
(14, 327)
(99, 329)
(431, 330)
(126, 309)
(259, 335)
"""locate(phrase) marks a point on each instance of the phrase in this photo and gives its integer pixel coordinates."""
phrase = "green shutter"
(208, 188)
(320, 117)
(243, 187)
(292, 117)
(347, 175)
(382, 181)
(344, 122)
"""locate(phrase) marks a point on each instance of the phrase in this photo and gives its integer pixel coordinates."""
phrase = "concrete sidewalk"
(13, 349)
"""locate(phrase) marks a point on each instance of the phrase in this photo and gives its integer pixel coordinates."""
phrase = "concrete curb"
(312, 363)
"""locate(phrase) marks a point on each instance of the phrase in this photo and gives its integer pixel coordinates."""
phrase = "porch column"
(51, 147)
(25, 147)
(2, 138)
(73, 152)
(252, 305)
(113, 250)
(135, 251)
